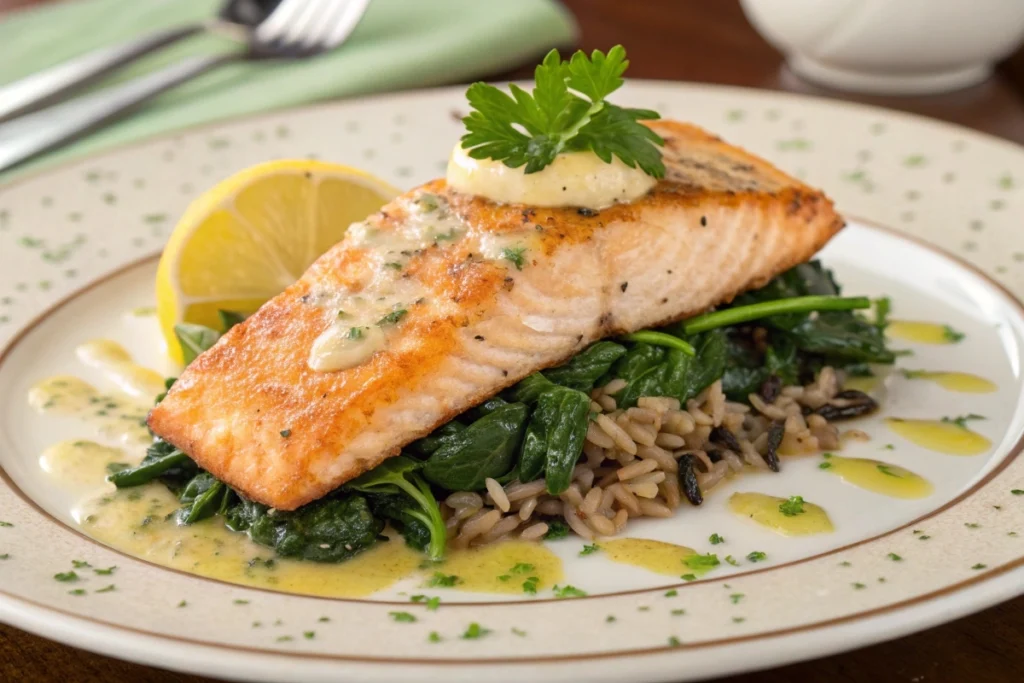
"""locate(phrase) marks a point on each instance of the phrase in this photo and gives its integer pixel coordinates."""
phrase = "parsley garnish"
(858, 586)
(394, 265)
(792, 507)
(672, 593)
(80, 564)
(757, 556)
(556, 530)
(715, 539)
(731, 560)
(677, 612)
(77, 591)
(887, 470)
(894, 557)
(979, 566)
(825, 465)
(442, 580)
(589, 549)
(474, 631)
(701, 562)
(736, 597)
(688, 577)
(530, 585)
(951, 335)
(5, 524)
(393, 317)
(309, 635)
(286, 433)
(609, 619)
(962, 420)
(355, 333)
(674, 641)
(66, 576)
(324, 620)
(104, 572)
(402, 617)
(5, 556)
(182, 604)
(566, 112)
(108, 589)
(522, 568)
(434, 637)
(514, 255)
(568, 592)
(1017, 492)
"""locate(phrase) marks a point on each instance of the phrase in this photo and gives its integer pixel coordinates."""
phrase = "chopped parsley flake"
(402, 617)
(107, 589)
(731, 560)
(80, 564)
(505, 577)
(858, 586)
(284, 639)
(355, 333)
(77, 591)
(475, 631)
(736, 597)
(793, 506)
(643, 608)
(522, 568)
(393, 317)
(519, 632)
(589, 549)
(962, 420)
(756, 556)
(677, 612)
(433, 603)
(894, 557)
(5, 524)
(738, 620)
(688, 577)
(972, 525)
(309, 635)
(887, 470)
(257, 624)
(702, 562)
(66, 576)
(439, 580)
(889, 447)
(286, 433)
(105, 572)
(5, 556)
(241, 602)
(674, 642)
(182, 604)
(951, 335)
(1017, 492)
(979, 566)
(923, 537)
(395, 265)
(530, 585)
(609, 619)
(568, 591)
(844, 563)
(715, 539)
(825, 465)
(514, 255)
(556, 529)
(434, 637)
(672, 593)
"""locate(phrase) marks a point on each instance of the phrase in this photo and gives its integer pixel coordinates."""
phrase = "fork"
(296, 29)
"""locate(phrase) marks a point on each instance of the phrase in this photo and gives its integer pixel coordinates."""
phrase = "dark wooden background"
(707, 41)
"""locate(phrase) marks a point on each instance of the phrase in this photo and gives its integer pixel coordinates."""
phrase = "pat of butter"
(579, 179)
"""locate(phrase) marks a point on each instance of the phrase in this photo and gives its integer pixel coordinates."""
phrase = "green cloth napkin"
(399, 44)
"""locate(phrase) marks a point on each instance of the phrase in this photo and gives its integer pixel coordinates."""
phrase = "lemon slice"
(252, 235)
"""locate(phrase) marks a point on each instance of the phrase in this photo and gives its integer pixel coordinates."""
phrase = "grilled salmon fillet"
(514, 289)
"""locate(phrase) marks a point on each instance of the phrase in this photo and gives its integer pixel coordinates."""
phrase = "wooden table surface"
(708, 41)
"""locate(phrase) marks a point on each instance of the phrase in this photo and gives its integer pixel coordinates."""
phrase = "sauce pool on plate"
(922, 332)
(768, 512)
(946, 437)
(656, 556)
(962, 382)
(879, 477)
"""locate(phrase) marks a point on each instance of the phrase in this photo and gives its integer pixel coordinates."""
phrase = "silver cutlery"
(296, 29)
(50, 85)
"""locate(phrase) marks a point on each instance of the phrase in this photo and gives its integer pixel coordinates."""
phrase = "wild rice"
(632, 459)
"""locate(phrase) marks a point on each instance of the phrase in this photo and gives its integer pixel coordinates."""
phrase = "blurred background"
(955, 60)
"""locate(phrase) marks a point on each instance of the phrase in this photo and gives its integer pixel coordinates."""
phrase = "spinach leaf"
(194, 339)
(587, 367)
(162, 461)
(529, 388)
(396, 507)
(486, 448)
(229, 319)
(706, 367)
(655, 371)
(641, 367)
(570, 410)
(398, 478)
(331, 529)
(437, 438)
(204, 497)
(533, 450)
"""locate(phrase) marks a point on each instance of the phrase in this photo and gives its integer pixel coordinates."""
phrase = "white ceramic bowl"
(891, 46)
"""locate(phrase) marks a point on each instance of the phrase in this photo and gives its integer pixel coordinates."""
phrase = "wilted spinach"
(588, 366)
(486, 448)
(554, 437)
(407, 500)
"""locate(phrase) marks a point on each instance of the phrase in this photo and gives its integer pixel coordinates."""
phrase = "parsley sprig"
(567, 112)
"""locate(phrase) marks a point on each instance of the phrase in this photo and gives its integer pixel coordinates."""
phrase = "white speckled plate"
(77, 250)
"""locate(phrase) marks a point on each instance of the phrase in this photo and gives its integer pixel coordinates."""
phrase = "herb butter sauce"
(879, 477)
(768, 512)
(656, 556)
(579, 179)
(946, 437)
(113, 417)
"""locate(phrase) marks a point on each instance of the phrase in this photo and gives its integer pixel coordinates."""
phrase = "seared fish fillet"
(253, 412)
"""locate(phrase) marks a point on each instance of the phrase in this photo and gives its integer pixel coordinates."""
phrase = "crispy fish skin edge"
(812, 222)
